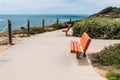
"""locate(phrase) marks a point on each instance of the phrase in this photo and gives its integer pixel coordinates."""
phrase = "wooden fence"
(28, 28)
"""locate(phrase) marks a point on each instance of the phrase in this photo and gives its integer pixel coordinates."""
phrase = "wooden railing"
(9, 32)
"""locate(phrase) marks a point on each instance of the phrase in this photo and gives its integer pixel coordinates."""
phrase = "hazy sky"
(55, 6)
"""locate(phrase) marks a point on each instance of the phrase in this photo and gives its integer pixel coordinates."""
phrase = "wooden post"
(57, 21)
(9, 32)
(28, 28)
(43, 25)
(70, 19)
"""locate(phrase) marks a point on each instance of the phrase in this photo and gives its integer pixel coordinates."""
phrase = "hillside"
(112, 12)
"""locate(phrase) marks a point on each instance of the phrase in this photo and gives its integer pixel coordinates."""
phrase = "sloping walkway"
(47, 57)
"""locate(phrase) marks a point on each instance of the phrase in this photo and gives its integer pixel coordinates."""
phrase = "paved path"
(47, 57)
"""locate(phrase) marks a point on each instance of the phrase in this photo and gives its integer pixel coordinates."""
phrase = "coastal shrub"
(36, 30)
(56, 26)
(49, 28)
(103, 28)
(110, 56)
(22, 28)
(113, 76)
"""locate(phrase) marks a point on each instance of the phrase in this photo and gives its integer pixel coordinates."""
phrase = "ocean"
(19, 21)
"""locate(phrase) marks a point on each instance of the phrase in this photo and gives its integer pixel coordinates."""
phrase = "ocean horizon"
(19, 21)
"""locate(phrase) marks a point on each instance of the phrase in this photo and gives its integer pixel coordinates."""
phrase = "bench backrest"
(85, 41)
(68, 28)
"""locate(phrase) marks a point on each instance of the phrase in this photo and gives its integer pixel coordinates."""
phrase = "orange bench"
(80, 48)
(67, 29)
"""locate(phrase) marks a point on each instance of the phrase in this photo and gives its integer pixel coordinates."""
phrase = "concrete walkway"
(47, 57)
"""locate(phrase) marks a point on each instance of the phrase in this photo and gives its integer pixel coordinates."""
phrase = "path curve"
(47, 57)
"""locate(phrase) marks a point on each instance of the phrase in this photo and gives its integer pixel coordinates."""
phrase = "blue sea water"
(19, 21)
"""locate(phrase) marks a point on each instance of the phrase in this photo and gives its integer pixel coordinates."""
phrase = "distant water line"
(19, 21)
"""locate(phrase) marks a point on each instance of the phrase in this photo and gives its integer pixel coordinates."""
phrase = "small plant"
(22, 35)
(56, 26)
(113, 76)
(36, 30)
(22, 28)
(49, 29)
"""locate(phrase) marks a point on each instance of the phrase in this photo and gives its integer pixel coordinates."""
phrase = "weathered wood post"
(9, 32)
(70, 19)
(28, 28)
(57, 20)
(43, 25)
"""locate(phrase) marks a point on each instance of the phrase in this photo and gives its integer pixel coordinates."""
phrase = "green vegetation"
(113, 76)
(56, 26)
(109, 56)
(102, 28)
(36, 30)
(108, 60)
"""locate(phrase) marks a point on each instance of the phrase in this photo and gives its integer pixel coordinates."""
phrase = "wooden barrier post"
(70, 19)
(57, 21)
(28, 28)
(9, 32)
(43, 25)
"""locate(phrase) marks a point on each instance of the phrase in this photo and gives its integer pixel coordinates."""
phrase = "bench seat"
(76, 47)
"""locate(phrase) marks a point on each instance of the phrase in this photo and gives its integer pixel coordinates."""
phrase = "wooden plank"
(85, 41)
(75, 43)
(79, 51)
(28, 28)
(9, 32)
(72, 47)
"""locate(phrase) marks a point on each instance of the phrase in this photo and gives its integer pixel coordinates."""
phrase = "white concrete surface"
(47, 57)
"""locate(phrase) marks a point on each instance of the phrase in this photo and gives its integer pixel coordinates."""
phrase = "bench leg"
(84, 54)
(78, 56)
(66, 33)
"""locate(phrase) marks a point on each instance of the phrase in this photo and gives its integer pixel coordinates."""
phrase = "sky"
(55, 6)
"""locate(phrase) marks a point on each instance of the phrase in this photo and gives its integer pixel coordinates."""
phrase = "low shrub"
(102, 28)
(36, 30)
(110, 56)
(56, 26)
(49, 29)
(113, 76)
(22, 31)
